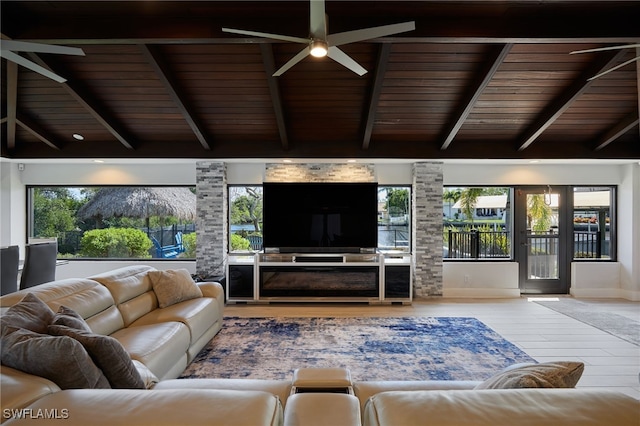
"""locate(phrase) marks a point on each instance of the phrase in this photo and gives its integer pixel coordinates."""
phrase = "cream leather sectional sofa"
(162, 341)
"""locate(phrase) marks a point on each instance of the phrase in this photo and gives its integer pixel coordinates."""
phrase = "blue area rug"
(420, 348)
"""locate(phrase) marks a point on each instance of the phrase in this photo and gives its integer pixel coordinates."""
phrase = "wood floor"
(544, 334)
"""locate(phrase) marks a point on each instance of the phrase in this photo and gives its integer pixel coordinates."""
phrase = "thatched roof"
(141, 202)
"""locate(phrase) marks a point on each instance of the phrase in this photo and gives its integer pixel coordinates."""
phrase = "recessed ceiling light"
(78, 137)
(534, 161)
(351, 161)
(286, 161)
(98, 161)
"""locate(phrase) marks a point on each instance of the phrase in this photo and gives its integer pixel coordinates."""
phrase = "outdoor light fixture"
(319, 48)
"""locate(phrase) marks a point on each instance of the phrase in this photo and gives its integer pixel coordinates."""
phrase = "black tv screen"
(320, 217)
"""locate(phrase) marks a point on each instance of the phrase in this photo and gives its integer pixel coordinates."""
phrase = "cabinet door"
(240, 282)
(397, 282)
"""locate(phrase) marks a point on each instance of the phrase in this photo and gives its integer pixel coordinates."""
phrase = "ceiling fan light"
(319, 48)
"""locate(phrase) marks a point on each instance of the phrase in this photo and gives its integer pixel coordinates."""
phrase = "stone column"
(211, 223)
(427, 229)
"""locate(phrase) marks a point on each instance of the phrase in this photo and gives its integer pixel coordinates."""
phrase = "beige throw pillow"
(173, 286)
(559, 374)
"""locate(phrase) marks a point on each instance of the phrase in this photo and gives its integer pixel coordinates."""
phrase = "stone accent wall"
(427, 229)
(211, 221)
(320, 172)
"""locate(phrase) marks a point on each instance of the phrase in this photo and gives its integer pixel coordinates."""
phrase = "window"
(114, 221)
(245, 218)
(477, 222)
(593, 223)
(394, 218)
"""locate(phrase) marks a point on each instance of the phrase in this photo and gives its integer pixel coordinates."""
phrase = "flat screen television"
(320, 217)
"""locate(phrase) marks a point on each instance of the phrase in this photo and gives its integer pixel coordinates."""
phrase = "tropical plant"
(189, 241)
(238, 243)
(468, 201)
(115, 242)
(451, 196)
(539, 213)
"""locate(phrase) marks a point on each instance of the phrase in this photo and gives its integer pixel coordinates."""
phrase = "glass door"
(541, 244)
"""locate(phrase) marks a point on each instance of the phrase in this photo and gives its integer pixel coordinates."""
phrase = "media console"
(317, 277)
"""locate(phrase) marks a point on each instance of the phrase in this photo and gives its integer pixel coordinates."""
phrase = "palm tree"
(468, 201)
(451, 196)
(538, 213)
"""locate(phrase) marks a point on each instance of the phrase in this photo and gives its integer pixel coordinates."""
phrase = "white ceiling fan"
(600, 49)
(8, 49)
(320, 44)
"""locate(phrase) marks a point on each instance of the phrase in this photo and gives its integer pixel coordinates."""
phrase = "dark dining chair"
(39, 264)
(9, 259)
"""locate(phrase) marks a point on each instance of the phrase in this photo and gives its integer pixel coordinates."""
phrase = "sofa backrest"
(131, 289)
(87, 297)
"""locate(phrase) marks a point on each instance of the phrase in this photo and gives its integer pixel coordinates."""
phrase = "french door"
(543, 238)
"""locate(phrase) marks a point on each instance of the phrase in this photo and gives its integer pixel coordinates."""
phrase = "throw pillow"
(30, 313)
(560, 374)
(173, 286)
(108, 354)
(70, 318)
(60, 359)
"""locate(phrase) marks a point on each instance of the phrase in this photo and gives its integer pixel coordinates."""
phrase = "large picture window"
(477, 223)
(245, 218)
(125, 222)
(394, 218)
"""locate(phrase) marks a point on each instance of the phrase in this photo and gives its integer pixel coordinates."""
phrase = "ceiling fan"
(8, 49)
(600, 49)
(320, 44)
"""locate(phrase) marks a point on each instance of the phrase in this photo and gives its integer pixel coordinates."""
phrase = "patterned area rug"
(408, 348)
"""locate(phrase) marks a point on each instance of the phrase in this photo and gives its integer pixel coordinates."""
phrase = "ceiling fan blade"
(614, 68)
(267, 35)
(600, 49)
(317, 20)
(14, 57)
(300, 56)
(369, 33)
(345, 60)
(25, 46)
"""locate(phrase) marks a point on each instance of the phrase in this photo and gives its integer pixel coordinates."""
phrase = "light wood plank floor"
(544, 334)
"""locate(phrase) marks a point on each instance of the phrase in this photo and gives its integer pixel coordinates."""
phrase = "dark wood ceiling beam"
(274, 91)
(90, 105)
(163, 72)
(38, 132)
(378, 80)
(618, 130)
(12, 103)
(496, 58)
(550, 114)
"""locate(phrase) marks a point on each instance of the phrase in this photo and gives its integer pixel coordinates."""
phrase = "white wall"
(627, 177)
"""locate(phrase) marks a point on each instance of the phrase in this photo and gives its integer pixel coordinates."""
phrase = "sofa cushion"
(30, 313)
(197, 314)
(19, 389)
(161, 347)
(191, 407)
(60, 359)
(173, 286)
(108, 354)
(531, 407)
(70, 318)
(559, 374)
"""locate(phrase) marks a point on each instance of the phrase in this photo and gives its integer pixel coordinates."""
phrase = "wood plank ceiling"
(476, 79)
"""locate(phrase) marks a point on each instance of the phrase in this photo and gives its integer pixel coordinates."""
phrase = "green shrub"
(115, 242)
(189, 241)
(239, 244)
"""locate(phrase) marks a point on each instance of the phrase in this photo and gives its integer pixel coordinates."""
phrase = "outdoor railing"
(476, 244)
(587, 244)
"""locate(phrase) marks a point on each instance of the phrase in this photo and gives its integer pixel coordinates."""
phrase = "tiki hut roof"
(141, 202)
